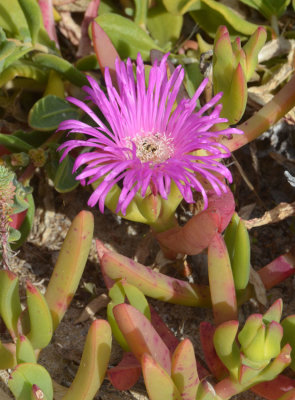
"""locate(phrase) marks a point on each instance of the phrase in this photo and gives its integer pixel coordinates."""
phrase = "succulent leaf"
(226, 346)
(152, 283)
(41, 328)
(252, 48)
(69, 266)
(240, 261)
(7, 358)
(221, 281)
(24, 376)
(288, 325)
(274, 312)
(94, 362)
(157, 381)
(141, 336)
(249, 330)
(184, 370)
(10, 307)
(24, 351)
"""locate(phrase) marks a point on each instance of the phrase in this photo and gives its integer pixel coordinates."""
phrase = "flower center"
(154, 148)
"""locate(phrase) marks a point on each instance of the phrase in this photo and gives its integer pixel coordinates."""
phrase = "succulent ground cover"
(171, 267)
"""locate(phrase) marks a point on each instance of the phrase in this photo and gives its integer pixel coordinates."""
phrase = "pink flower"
(145, 143)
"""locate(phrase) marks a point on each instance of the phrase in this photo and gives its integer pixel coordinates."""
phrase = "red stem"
(278, 270)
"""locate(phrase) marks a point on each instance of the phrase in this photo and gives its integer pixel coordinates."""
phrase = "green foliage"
(49, 112)
(268, 8)
(127, 37)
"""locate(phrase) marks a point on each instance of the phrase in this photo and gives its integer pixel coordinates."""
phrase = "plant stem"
(267, 116)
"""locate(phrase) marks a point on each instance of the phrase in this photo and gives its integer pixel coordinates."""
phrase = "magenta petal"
(144, 143)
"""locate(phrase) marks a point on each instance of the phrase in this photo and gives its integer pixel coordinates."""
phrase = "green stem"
(267, 116)
(141, 7)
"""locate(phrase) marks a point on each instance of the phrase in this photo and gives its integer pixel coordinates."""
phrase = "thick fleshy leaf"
(127, 37)
(15, 22)
(252, 48)
(91, 12)
(250, 329)
(25, 376)
(41, 328)
(210, 14)
(141, 336)
(125, 375)
(193, 237)
(105, 51)
(7, 357)
(94, 362)
(274, 313)
(213, 362)
(288, 325)
(27, 223)
(278, 365)
(226, 346)
(222, 288)
(152, 283)
(184, 370)
(158, 383)
(278, 270)
(24, 351)
(272, 390)
(69, 266)
(240, 261)
(62, 66)
(165, 333)
(10, 306)
(164, 27)
(33, 16)
(268, 8)
(23, 69)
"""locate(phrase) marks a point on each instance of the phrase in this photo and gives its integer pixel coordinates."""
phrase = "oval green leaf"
(48, 112)
(127, 37)
(25, 376)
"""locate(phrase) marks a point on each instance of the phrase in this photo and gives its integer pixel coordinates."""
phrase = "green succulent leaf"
(25, 376)
(210, 14)
(268, 8)
(14, 23)
(127, 37)
(115, 328)
(288, 325)
(33, 16)
(64, 179)
(24, 351)
(157, 381)
(226, 346)
(13, 143)
(69, 266)
(94, 362)
(7, 358)
(164, 27)
(65, 68)
(41, 328)
(274, 313)
(184, 371)
(23, 69)
(48, 112)
(27, 224)
(10, 307)
(250, 329)
(240, 261)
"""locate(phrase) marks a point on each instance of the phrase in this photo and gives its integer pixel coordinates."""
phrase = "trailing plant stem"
(267, 116)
